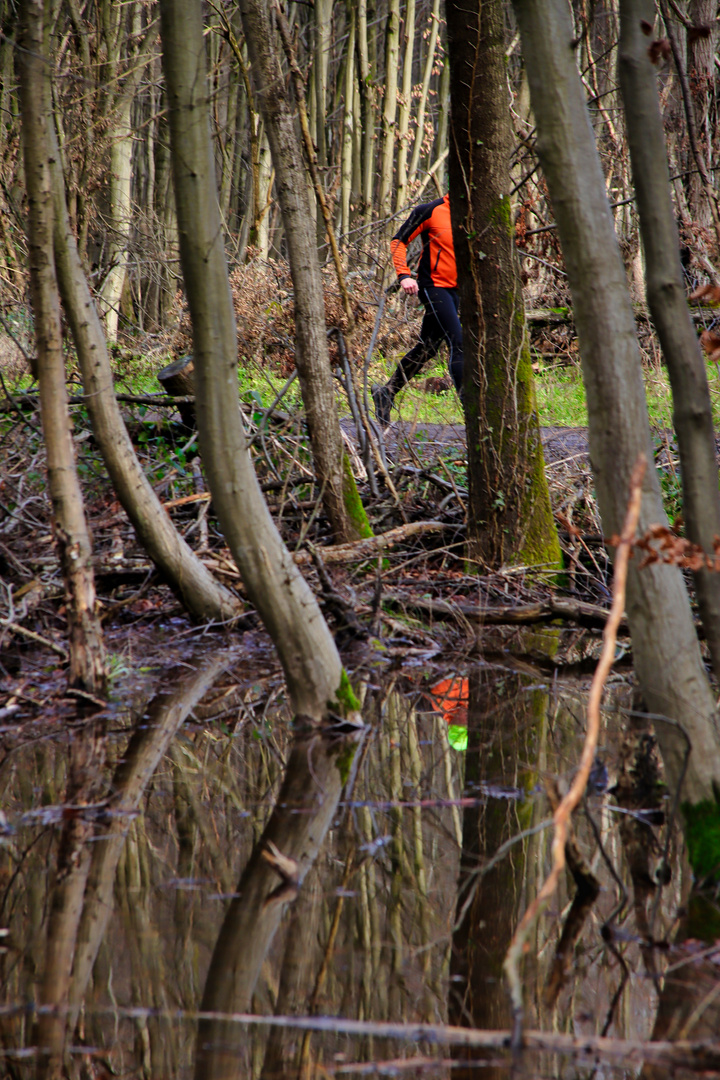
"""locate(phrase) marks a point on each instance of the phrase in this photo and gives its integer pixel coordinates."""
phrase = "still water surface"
(190, 855)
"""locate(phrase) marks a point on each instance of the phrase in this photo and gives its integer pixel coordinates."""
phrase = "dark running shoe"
(383, 399)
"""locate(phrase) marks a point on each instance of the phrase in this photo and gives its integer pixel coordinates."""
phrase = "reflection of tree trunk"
(502, 728)
(66, 899)
(304, 811)
(149, 743)
(301, 949)
(689, 1006)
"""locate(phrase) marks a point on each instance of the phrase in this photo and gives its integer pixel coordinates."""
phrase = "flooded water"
(191, 857)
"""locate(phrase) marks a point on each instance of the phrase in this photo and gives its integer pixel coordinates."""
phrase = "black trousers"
(441, 323)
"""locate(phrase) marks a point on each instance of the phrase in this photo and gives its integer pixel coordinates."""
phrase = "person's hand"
(409, 286)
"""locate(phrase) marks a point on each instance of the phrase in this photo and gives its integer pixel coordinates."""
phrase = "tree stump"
(178, 380)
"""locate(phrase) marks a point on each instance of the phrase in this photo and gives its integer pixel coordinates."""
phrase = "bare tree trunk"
(405, 110)
(282, 597)
(322, 14)
(422, 103)
(349, 121)
(367, 83)
(387, 156)
(118, 219)
(182, 569)
(337, 484)
(692, 410)
(441, 144)
(701, 50)
(510, 519)
(87, 658)
(665, 649)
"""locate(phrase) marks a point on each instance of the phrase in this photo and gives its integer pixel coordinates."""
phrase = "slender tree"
(87, 660)
(389, 110)
(692, 410)
(667, 657)
(332, 467)
(314, 674)
(181, 568)
(510, 515)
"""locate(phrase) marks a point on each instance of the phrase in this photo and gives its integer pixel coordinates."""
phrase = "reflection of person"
(451, 697)
(436, 286)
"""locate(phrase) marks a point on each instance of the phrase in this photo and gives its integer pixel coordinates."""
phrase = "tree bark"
(422, 104)
(188, 576)
(692, 410)
(87, 657)
(510, 518)
(366, 71)
(667, 657)
(349, 121)
(405, 109)
(387, 155)
(282, 597)
(334, 477)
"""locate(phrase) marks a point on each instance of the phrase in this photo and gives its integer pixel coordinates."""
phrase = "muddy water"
(192, 855)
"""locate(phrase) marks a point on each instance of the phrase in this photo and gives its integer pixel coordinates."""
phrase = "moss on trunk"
(510, 519)
(353, 503)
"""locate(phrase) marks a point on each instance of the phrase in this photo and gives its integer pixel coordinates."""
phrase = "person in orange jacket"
(436, 286)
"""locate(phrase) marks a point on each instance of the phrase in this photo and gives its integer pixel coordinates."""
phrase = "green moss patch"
(702, 836)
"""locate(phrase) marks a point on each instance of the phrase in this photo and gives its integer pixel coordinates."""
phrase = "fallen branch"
(562, 814)
(18, 629)
(363, 549)
(578, 611)
(701, 1055)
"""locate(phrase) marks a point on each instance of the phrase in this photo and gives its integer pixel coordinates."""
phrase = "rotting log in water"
(588, 615)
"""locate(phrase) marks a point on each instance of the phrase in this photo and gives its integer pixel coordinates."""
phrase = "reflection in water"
(506, 731)
(235, 864)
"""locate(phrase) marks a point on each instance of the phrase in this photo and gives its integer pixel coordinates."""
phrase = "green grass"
(561, 396)
(559, 390)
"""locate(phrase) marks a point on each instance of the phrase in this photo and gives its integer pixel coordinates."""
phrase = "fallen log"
(178, 380)
(588, 615)
(372, 545)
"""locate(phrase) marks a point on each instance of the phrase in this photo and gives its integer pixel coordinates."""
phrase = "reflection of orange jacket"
(431, 222)
(450, 697)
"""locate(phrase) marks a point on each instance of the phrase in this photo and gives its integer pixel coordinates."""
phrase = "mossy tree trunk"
(510, 516)
(668, 664)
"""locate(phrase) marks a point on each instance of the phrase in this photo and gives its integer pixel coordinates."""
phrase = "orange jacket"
(431, 222)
